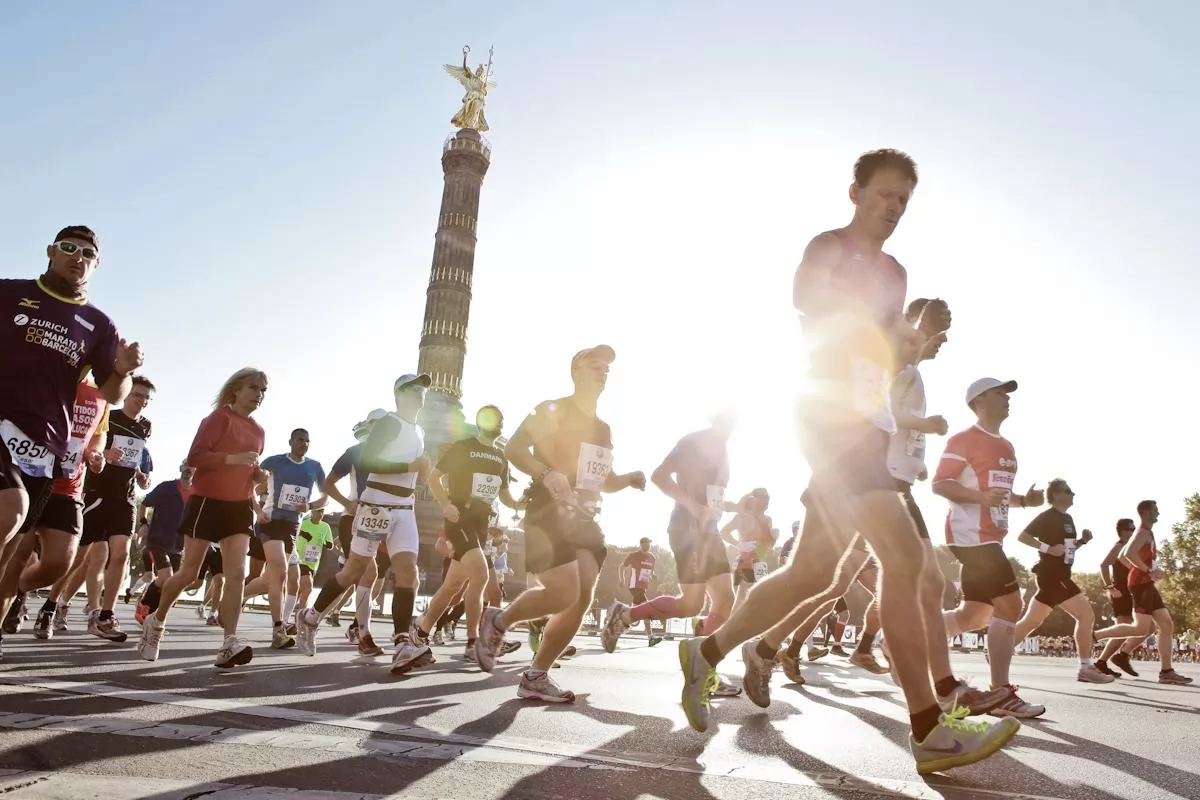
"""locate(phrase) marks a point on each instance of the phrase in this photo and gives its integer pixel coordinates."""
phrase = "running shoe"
(1122, 661)
(956, 742)
(1173, 677)
(43, 626)
(109, 629)
(976, 701)
(1090, 674)
(408, 656)
(1016, 707)
(544, 688)
(790, 667)
(233, 653)
(306, 631)
(280, 639)
(151, 637)
(757, 681)
(614, 626)
(867, 661)
(490, 640)
(367, 646)
(698, 678)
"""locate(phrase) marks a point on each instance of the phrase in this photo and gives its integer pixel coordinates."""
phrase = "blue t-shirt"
(289, 484)
(168, 502)
(348, 465)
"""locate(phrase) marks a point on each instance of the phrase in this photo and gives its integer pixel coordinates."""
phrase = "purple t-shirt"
(46, 345)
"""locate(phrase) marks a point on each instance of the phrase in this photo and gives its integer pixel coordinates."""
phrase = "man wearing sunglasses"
(55, 337)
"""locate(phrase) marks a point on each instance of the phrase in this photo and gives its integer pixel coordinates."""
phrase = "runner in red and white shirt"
(976, 475)
(636, 571)
(1141, 554)
(61, 520)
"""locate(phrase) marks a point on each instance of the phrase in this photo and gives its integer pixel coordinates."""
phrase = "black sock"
(329, 592)
(403, 601)
(151, 597)
(105, 615)
(945, 686)
(471, 641)
(765, 651)
(793, 650)
(923, 722)
(278, 623)
(710, 651)
(50, 607)
(865, 643)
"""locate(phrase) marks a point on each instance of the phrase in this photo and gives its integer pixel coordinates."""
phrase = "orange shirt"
(89, 417)
(977, 460)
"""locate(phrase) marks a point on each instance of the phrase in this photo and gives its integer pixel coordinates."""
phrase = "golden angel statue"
(477, 84)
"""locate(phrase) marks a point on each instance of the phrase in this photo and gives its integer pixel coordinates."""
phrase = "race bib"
(30, 457)
(644, 575)
(915, 447)
(312, 553)
(131, 449)
(294, 558)
(1000, 515)
(1069, 551)
(73, 461)
(293, 497)
(486, 487)
(595, 463)
(373, 523)
(760, 569)
(870, 388)
(716, 498)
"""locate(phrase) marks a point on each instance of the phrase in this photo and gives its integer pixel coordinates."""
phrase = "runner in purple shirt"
(54, 337)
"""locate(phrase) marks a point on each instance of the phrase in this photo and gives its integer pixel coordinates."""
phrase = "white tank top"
(408, 445)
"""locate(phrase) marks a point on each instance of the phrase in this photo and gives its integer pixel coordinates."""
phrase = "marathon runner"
(1053, 534)
(1141, 554)
(637, 572)
(164, 541)
(110, 505)
(392, 459)
(291, 478)
(57, 336)
(754, 541)
(851, 296)
(498, 554)
(568, 450)
(1115, 574)
(976, 476)
(314, 538)
(224, 455)
(471, 475)
(57, 532)
(694, 474)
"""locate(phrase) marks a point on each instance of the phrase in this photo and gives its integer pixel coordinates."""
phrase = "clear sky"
(265, 181)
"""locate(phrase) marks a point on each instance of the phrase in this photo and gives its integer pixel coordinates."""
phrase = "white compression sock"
(362, 607)
(289, 605)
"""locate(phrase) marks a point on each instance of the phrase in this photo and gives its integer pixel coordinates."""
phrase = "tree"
(1179, 558)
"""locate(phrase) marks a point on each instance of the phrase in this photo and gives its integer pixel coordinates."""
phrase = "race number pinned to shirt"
(715, 495)
(915, 446)
(30, 457)
(312, 553)
(70, 464)
(760, 570)
(1069, 551)
(595, 464)
(372, 522)
(486, 487)
(294, 558)
(644, 575)
(131, 451)
(870, 388)
(1001, 479)
(293, 497)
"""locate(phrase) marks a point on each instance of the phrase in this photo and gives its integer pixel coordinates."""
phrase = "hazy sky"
(265, 181)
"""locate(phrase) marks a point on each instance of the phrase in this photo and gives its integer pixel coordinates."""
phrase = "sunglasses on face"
(70, 248)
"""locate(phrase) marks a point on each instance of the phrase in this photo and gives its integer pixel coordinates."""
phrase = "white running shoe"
(1090, 674)
(614, 626)
(306, 631)
(152, 632)
(544, 688)
(234, 653)
(408, 656)
(490, 639)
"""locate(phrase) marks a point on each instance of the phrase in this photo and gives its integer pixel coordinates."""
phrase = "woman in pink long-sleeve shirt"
(224, 455)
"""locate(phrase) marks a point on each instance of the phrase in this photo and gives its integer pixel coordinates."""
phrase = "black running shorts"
(554, 535)
(1123, 606)
(278, 530)
(62, 513)
(1052, 590)
(214, 520)
(699, 556)
(471, 530)
(105, 517)
(1146, 599)
(986, 573)
(38, 489)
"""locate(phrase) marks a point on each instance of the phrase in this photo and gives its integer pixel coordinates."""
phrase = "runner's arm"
(330, 489)
(1107, 564)
(519, 451)
(382, 434)
(437, 488)
(507, 499)
(1129, 553)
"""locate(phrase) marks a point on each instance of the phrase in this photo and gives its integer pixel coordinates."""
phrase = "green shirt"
(312, 539)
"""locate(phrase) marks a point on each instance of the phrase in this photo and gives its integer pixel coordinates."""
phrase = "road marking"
(454, 746)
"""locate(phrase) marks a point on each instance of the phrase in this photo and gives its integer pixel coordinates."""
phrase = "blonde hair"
(235, 382)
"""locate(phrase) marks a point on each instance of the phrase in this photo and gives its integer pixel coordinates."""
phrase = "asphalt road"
(82, 718)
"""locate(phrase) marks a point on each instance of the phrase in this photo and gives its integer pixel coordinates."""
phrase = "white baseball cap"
(409, 379)
(986, 385)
